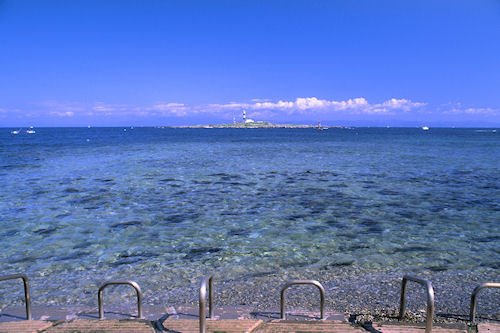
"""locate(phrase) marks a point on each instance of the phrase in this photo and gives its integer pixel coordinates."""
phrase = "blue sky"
(377, 62)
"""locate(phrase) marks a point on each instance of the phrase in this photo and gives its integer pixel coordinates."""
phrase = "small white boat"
(16, 132)
(30, 130)
(425, 128)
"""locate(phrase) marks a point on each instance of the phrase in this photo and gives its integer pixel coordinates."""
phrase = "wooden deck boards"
(226, 326)
(104, 326)
(407, 328)
(289, 326)
(172, 325)
(488, 328)
(25, 326)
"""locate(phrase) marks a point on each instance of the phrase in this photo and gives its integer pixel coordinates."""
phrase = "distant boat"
(30, 130)
(425, 128)
(16, 132)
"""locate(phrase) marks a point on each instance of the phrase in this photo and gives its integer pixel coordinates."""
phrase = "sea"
(167, 206)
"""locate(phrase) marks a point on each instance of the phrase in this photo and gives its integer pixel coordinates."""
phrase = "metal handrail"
(430, 300)
(129, 283)
(473, 299)
(302, 282)
(27, 298)
(207, 281)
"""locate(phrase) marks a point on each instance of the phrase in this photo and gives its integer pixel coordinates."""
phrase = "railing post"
(473, 299)
(100, 296)
(303, 282)
(27, 297)
(206, 282)
(430, 300)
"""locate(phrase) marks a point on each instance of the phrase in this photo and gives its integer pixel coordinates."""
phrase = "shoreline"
(362, 297)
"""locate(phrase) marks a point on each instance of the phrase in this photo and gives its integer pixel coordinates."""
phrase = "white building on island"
(245, 119)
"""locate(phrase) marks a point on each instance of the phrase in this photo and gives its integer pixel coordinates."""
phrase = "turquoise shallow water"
(165, 206)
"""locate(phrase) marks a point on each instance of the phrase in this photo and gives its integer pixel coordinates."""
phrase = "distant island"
(255, 124)
(250, 123)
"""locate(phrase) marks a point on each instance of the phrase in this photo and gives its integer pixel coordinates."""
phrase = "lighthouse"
(245, 119)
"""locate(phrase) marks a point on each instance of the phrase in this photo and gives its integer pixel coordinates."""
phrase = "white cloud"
(262, 109)
(478, 111)
(55, 106)
(227, 106)
(62, 113)
(259, 108)
(304, 105)
(395, 104)
(460, 109)
(102, 107)
(167, 106)
(64, 109)
(174, 109)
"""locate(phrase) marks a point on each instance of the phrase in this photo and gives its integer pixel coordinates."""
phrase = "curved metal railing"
(430, 300)
(129, 283)
(27, 298)
(206, 282)
(302, 282)
(473, 299)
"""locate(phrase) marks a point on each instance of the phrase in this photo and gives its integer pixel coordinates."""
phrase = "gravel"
(360, 295)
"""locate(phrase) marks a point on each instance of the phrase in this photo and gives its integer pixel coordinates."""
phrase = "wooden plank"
(226, 325)
(403, 328)
(25, 326)
(105, 326)
(291, 326)
(488, 328)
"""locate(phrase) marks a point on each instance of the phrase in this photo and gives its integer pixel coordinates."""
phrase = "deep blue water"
(169, 205)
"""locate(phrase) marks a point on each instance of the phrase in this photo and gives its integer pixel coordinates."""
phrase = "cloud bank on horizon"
(301, 109)
(307, 105)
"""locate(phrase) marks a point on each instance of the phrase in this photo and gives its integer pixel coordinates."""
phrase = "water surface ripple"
(166, 206)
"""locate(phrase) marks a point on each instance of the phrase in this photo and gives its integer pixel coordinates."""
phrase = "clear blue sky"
(377, 62)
